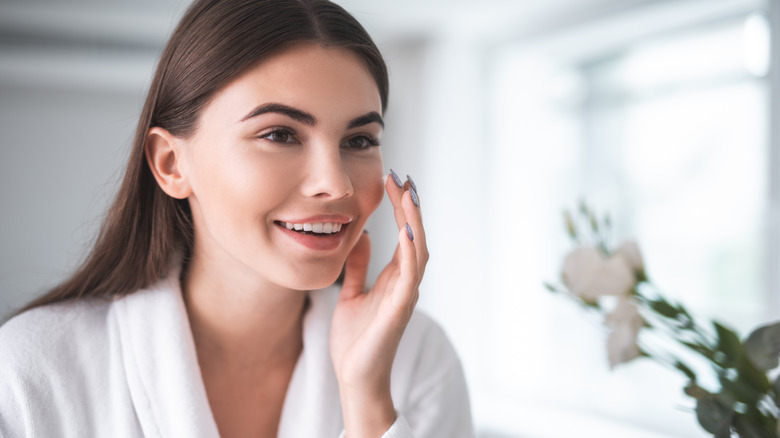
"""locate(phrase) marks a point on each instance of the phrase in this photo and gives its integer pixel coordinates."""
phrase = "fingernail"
(411, 182)
(409, 232)
(396, 179)
(413, 194)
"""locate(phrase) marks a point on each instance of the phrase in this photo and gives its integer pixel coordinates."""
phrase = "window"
(669, 134)
(676, 131)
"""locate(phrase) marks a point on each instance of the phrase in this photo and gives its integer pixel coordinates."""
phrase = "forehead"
(319, 80)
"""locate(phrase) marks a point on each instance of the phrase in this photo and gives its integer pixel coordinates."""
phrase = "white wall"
(61, 154)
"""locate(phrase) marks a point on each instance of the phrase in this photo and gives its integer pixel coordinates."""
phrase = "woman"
(207, 306)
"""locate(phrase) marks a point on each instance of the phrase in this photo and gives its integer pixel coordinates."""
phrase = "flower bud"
(589, 275)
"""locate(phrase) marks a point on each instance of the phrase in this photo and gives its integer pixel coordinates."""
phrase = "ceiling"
(45, 41)
(147, 22)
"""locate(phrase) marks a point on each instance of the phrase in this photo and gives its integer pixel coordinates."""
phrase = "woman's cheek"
(373, 179)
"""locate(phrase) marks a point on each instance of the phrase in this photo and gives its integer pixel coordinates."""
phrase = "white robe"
(128, 368)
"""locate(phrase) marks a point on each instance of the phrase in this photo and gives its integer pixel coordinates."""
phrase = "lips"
(322, 233)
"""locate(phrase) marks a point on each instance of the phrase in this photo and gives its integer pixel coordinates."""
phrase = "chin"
(311, 280)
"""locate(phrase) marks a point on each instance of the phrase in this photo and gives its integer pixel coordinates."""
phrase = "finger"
(405, 290)
(410, 183)
(395, 193)
(387, 277)
(414, 218)
(356, 268)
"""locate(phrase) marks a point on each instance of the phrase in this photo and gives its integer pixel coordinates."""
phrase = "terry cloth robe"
(128, 368)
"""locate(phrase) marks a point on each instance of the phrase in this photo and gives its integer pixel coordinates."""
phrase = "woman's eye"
(361, 142)
(279, 136)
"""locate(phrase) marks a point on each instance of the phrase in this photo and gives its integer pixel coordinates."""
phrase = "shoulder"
(47, 343)
(429, 386)
(424, 333)
(52, 328)
(48, 353)
(426, 356)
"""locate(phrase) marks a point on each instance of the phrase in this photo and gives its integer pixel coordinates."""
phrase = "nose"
(327, 176)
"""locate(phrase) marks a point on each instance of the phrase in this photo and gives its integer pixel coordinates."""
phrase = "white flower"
(589, 275)
(625, 322)
(630, 251)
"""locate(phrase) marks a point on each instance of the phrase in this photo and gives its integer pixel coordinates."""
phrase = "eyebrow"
(372, 117)
(278, 108)
(308, 119)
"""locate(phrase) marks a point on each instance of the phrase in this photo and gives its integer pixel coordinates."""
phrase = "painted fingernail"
(415, 199)
(396, 179)
(409, 232)
(411, 182)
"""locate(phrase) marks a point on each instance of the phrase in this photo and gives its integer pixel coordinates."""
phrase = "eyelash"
(370, 140)
(278, 131)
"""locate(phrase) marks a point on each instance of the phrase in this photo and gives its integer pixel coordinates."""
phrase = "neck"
(242, 323)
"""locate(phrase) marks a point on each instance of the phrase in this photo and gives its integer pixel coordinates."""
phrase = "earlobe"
(163, 154)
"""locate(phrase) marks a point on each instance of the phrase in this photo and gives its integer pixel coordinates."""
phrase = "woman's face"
(284, 167)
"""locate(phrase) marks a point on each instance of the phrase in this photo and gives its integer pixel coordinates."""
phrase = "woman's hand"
(367, 327)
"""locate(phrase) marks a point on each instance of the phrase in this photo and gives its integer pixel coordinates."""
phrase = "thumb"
(356, 268)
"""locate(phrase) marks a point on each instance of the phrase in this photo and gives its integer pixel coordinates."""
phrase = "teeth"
(319, 228)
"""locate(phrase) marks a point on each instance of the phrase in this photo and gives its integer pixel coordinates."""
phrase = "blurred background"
(505, 112)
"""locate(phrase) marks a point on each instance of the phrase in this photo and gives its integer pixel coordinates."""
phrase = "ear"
(163, 154)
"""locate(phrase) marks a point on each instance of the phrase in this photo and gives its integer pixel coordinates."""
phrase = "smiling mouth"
(320, 229)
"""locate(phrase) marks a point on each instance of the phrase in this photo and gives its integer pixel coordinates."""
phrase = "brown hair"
(215, 41)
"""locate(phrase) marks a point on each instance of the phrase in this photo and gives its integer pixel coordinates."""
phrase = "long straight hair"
(215, 41)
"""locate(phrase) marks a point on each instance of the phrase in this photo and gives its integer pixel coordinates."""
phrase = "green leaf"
(701, 349)
(776, 389)
(685, 313)
(762, 347)
(752, 376)
(584, 208)
(746, 430)
(747, 427)
(591, 304)
(713, 416)
(696, 391)
(684, 320)
(687, 371)
(726, 433)
(594, 224)
(741, 391)
(729, 344)
(570, 227)
(662, 307)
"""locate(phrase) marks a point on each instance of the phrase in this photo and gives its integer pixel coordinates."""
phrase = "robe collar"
(166, 385)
